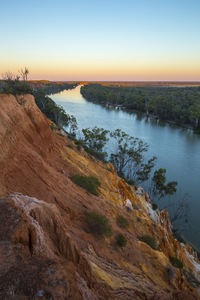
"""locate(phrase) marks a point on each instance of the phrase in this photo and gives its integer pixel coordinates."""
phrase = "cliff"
(46, 251)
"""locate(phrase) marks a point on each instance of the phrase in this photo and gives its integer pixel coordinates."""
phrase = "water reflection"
(74, 95)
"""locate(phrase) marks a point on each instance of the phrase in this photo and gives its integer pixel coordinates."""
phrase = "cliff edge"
(46, 251)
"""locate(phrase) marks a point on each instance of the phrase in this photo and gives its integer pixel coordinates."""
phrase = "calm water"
(177, 149)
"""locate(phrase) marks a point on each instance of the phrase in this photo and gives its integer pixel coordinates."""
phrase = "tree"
(55, 112)
(168, 103)
(72, 125)
(129, 157)
(144, 169)
(159, 188)
(179, 210)
(95, 138)
(24, 74)
(194, 112)
(60, 116)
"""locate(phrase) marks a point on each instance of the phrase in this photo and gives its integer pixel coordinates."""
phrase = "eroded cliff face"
(45, 251)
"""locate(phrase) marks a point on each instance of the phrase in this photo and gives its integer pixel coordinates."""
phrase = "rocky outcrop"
(45, 249)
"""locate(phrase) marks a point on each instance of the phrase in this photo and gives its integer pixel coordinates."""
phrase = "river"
(177, 149)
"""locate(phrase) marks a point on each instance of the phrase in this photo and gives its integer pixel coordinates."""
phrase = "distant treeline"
(179, 105)
(51, 87)
(17, 86)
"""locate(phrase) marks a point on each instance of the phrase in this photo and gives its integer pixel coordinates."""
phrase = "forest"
(176, 105)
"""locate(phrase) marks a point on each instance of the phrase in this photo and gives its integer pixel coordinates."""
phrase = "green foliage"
(17, 87)
(177, 105)
(196, 131)
(122, 221)
(121, 240)
(72, 125)
(128, 158)
(98, 224)
(98, 155)
(176, 262)
(95, 140)
(89, 183)
(154, 206)
(13, 84)
(55, 112)
(149, 240)
(79, 143)
(194, 112)
(159, 188)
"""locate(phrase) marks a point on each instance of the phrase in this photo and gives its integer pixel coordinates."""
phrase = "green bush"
(122, 221)
(96, 154)
(149, 240)
(130, 181)
(176, 262)
(121, 241)
(98, 224)
(79, 143)
(154, 206)
(89, 183)
(17, 87)
(196, 131)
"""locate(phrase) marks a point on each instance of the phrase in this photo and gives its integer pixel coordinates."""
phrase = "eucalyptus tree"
(194, 112)
(95, 140)
(128, 157)
(159, 187)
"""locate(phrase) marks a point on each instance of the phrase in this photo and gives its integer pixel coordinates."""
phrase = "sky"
(116, 40)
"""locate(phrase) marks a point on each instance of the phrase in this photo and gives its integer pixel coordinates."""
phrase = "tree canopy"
(179, 105)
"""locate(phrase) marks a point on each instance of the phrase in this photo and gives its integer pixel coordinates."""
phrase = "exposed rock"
(45, 251)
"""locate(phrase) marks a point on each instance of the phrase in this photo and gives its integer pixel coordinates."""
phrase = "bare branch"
(8, 76)
(24, 74)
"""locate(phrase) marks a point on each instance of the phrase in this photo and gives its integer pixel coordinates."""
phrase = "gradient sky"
(101, 39)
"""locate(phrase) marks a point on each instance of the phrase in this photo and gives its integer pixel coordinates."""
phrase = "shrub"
(89, 183)
(149, 240)
(79, 143)
(17, 87)
(98, 224)
(130, 181)
(122, 221)
(96, 154)
(154, 206)
(53, 126)
(196, 131)
(176, 262)
(109, 169)
(121, 241)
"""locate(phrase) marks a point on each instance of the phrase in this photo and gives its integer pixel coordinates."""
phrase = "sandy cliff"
(45, 251)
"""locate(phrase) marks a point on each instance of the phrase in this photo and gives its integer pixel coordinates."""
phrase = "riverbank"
(145, 83)
(153, 117)
(177, 106)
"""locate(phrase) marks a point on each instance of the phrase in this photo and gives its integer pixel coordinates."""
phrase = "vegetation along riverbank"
(179, 105)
